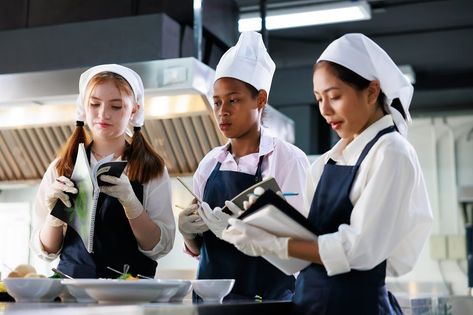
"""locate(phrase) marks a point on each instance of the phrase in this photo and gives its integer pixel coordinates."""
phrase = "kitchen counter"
(184, 308)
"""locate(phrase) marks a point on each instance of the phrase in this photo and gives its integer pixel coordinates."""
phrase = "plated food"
(25, 271)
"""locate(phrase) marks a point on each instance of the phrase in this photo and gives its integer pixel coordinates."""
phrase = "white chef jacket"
(285, 162)
(391, 217)
(156, 202)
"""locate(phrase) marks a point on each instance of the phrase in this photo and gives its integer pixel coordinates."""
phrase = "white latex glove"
(251, 199)
(190, 223)
(254, 241)
(216, 219)
(122, 190)
(256, 193)
(58, 190)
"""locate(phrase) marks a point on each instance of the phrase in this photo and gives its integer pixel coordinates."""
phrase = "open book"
(267, 184)
(275, 215)
(81, 215)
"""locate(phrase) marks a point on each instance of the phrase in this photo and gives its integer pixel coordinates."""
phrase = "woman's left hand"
(121, 189)
(254, 241)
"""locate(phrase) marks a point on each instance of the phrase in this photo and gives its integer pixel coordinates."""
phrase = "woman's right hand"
(58, 190)
(190, 223)
(251, 199)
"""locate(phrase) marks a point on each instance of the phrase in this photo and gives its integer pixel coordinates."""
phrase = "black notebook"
(275, 215)
(81, 215)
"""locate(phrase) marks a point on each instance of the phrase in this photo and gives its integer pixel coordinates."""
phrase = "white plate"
(124, 291)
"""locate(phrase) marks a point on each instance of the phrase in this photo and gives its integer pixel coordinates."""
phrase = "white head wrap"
(129, 75)
(364, 57)
(248, 61)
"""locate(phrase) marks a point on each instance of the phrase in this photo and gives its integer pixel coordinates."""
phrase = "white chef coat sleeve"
(296, 170)
(157, 203)
(41, 214)
(312, 178)
(392, 205)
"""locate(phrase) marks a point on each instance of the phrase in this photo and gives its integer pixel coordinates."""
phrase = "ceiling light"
(306, 15)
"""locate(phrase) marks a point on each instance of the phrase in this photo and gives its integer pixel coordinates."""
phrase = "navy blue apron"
(354, 292)
(114, 244)
(221, 260)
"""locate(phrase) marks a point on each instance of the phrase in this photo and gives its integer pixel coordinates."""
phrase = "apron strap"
(370, 144)
(259, 170)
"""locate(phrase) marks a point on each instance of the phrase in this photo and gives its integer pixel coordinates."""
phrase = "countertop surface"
(184, 308)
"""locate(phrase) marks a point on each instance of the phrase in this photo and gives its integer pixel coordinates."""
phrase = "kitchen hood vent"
(37, 116)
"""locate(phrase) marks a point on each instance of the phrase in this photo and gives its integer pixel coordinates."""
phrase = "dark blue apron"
(114, 244)
(354, 292)
(221, 260)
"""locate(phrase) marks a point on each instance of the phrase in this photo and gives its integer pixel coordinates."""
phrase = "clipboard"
(189, 190)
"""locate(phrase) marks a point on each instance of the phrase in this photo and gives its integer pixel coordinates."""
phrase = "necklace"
(101, 156)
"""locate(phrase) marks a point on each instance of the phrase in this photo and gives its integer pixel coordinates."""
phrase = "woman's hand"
(190, 223)
(59, 189)
(216, 219)
(254, 241)
(122, 190)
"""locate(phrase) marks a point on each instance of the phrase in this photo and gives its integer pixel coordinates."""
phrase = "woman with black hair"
(367, 198)
(240, 94)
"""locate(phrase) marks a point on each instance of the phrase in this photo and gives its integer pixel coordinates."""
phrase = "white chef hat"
(248, 61)
(364, 57)
(129, 75)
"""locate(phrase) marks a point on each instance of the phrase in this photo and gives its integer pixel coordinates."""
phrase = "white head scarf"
(129, 75)
(248, 61)
(364, 57)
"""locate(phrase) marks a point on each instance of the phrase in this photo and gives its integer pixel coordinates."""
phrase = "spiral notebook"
(81, 215)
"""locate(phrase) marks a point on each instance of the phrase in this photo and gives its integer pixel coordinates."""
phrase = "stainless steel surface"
(461, 305)
(184, 308)
(197, 6)
(37, 114)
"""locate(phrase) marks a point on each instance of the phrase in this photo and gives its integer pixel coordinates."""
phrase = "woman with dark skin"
(240, 93)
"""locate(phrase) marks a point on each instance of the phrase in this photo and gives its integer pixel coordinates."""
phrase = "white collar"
(266, 145)
(348, 153)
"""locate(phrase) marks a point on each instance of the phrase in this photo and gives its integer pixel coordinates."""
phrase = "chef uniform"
(249, 62)
(114, 244)
(362, 229)
(368, 202)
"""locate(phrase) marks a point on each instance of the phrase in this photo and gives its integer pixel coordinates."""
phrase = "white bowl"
(33, 289)
(77, 292)
(122, 291)
(212, 290)
(182, 291)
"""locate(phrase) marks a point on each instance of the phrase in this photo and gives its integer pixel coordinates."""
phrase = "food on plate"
(25, 271)
(34, 275)
(127, 276)
(14, 274)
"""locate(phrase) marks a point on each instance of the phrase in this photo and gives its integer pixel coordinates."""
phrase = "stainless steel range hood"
(37, 114)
